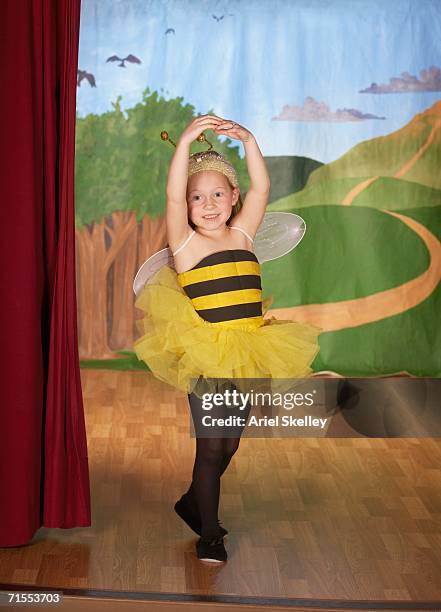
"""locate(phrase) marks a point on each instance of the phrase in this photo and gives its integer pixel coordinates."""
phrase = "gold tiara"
(207, 160)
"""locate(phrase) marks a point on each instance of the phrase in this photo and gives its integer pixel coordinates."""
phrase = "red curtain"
(44, 478)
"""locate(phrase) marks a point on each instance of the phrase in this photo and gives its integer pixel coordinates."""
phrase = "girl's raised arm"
(254, 205)
(176, 189)
(176, 216)
(256, 200)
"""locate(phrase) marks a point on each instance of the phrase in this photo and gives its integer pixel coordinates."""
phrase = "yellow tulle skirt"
(189, 353)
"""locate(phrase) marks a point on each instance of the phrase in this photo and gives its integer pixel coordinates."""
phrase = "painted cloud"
(319, 111)
(430, 81)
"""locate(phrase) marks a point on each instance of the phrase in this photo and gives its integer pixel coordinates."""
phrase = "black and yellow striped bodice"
(225, 288)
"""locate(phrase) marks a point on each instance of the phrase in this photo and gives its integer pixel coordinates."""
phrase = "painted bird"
(83, 74)
(222, 16)
(130, 58)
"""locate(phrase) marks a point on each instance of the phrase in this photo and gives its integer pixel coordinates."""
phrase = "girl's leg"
(205, 487)
(206, 482)
(232, 444)
(213, 456)
(230, 447)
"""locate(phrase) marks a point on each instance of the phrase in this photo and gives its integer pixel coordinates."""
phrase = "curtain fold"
(44, 477)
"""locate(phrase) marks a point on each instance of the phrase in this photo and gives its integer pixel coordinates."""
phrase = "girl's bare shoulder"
(199, 246)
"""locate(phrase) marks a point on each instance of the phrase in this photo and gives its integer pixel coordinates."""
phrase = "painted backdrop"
(344, 98)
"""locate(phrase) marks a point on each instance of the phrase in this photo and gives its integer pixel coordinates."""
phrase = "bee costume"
(208, 322)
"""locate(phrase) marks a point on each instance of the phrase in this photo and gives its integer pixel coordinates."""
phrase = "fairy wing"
(151, 266)
(278, 234)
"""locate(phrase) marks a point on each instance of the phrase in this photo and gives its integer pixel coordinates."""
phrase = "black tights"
(213, 456)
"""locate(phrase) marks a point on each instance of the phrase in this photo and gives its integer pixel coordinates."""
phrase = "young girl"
(204, 320)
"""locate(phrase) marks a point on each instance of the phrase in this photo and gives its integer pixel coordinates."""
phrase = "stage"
(330, 523)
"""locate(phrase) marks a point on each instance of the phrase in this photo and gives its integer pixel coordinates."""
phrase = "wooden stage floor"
(353, 519)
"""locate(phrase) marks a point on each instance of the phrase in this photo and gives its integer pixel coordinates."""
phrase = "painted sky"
(307, 77)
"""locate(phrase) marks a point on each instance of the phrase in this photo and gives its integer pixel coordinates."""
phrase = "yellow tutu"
(188, 352)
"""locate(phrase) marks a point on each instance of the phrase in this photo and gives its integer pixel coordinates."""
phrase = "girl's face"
(210, 199)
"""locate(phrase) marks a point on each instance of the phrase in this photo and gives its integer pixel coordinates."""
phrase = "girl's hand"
(197, 126)
(233, 130)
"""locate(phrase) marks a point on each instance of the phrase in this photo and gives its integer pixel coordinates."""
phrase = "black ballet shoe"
(185, 510)
(211, 549)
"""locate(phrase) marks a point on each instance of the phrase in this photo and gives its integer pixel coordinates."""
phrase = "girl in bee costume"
(206, 323)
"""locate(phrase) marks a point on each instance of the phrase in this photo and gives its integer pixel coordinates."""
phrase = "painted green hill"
(288, 174)
(347, 253)
(384, 193)
(386, 155)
